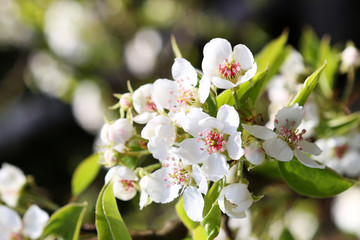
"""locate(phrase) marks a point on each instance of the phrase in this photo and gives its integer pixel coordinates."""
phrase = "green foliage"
(85, 173)
(199, 233)
(183, 216)
(175, 47)
(109, 223)
(313, 182)
(212, 222)
(66, 222)
(308, 86)
(286, 235)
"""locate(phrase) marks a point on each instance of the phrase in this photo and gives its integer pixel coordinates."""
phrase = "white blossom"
(286, 140)
(226, 68)
(12, 179)
(32, 226)
(143, 104)
(123, 182)
(234, 199)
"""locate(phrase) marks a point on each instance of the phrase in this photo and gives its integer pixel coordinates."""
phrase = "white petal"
(163, 93)
(121, 192)
(229, 116)
(243, 55)
(125, 173)
(254, 154)
(233, 146)
(222, 83)
(193, 204)
(199, 178)
(215, 167)
(12, 179)
(110, 174)
(289, 117)
(211, 123)
(248, 75)
(158, 147)
(278, 149)
(304, 159)
(144, 199)
(183, 70)
(215, 52)
(191, 122)
(140, 97)
(309, 147)
(35, 220)
(120, 131)
(193, 151)
(160, 191)
(259, 131)
(9, 221)
(144, 117)
(204, 88)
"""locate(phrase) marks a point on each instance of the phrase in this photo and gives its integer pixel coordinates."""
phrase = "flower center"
(128, 185)
(214, 140)
(341, 150)
(178, 175)
(230, 70)
(149, 105)
(288, 134)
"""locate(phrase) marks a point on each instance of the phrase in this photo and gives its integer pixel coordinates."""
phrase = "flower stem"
(152, 167)
(240, 170)
(236, 99)
(349, 84)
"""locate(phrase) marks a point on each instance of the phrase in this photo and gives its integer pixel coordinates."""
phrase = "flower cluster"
(195, 146)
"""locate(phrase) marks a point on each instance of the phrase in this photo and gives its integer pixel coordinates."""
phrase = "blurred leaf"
(199, 233)
(212, 222)
(329, 54)
(344, 124)
(313, 182)
(286, 235)
(130, 162)
(268, 169)
(308, 86)
(175, 47)
(109, 223)
(212, 104)
(85, 173)
(269, 60)
(309, 46)
(66, 222)
(184, 217)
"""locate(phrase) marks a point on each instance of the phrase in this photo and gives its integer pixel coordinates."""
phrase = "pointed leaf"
(212, 196)
(183, 216)
(66, 222)
(313, 182)
(199, 233)
(212, 222)
(109, 223)
(308, 86)
(175, 47)
(85, 173)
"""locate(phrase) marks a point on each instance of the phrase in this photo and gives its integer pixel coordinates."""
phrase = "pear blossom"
(31, 226)
(212, 139)
(164, 185)
(12, 179)
(350, 57)
(161, 134)
(234, 199)
(226, 68)
(286, 140)
(125, 101)
(124, 182)
(118, 132)
(254, 153)
(181, 93)
(143, 104)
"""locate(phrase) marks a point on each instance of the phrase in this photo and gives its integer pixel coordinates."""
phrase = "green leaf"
(309, 46)
(212, 222)
(199, 233)
(183, 216)
(175, 47)
(344, 124)
(286, 235)
(109, 223)
(311, 181)
(66, 222)
(212, 196)
(130, 161)
(308, 86)
(268, 62)
(85, 173)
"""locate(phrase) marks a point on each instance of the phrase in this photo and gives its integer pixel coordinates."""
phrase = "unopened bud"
(126, 101)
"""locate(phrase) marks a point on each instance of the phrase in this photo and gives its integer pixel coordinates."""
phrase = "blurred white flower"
(49, 75)
(141, 52)
(65, 22)
(346, 211)
(32, 226)
(88, 106)
(12, 179)
(350, 57)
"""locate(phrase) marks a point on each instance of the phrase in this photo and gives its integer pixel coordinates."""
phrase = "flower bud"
(126, 101)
